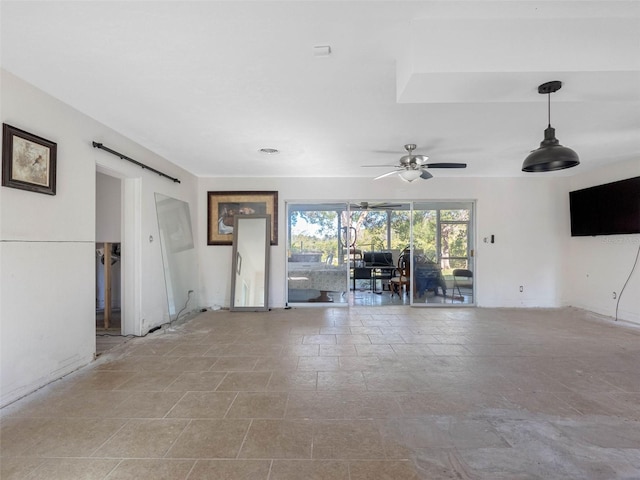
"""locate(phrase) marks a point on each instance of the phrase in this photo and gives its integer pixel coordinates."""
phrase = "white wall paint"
(522, 213)
(598, 266)
(47, 243)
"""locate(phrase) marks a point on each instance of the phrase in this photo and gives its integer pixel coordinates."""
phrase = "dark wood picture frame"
(28, 161)
(223, 206)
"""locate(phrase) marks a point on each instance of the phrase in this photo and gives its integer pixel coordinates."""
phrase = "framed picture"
(28, 161)
(222, 207)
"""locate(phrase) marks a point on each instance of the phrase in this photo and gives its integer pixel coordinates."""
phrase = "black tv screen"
(609, 209)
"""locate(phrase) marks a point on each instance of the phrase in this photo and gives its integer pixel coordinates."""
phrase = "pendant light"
(551, 155)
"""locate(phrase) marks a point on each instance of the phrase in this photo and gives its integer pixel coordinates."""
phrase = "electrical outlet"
(615, 295)
(521, 289)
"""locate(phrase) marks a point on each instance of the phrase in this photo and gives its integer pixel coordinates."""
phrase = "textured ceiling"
(207, 84)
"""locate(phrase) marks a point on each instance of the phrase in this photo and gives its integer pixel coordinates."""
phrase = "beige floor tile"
(101, 380)
(156, 469)
(229, 364)
(258, 405)
(309, 470)
(317, 405)
(202, 405)
(377, 350)
(60, 437)
(279, 363)
(231, 470)
(188, 350)
(18, 468)
(495, 394)
(145, 405)
(88, 404)
(74, 468)
(337, 350)
(278, 439)
(143, 438)
(292, 381)
(244, 382)
(380, 339)
(208, 439)
(387, 470)
(347, 439)
(149, 381)
(361, 339)
(301, 350)
(196, 381)
(319, 340)
(192, 364)
(341, 381)
(318, 363)
(250, 349)
(360, 363)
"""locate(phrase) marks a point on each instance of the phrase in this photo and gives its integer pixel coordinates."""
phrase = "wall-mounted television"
(609, 209)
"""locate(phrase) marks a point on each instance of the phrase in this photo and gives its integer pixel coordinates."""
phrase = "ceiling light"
(410, 175)
(269, 151)
(551, 155)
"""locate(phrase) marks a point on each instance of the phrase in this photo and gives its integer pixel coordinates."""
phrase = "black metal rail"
(142, 165)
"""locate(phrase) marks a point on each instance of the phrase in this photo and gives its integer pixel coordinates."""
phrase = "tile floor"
(344, 393)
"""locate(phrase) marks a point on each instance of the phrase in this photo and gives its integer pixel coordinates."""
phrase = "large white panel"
(47, 312)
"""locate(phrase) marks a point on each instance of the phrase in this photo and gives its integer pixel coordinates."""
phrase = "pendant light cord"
(549, 108)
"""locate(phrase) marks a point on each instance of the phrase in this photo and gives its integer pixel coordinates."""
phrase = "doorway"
(108, 261)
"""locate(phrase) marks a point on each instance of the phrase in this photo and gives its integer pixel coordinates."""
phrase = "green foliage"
(370, 228)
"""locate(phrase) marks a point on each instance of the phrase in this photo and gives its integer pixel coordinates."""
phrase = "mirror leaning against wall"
(250, 263)
(178, 253)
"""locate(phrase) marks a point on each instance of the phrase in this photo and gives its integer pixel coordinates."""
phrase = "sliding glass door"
(339, 253)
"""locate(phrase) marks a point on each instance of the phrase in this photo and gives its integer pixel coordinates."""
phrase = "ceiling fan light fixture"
(550, 156)
(410, 175)
(269, 151)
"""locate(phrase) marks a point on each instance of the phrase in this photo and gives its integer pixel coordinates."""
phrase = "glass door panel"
(316, 245)
(380, 231)
(443, 254)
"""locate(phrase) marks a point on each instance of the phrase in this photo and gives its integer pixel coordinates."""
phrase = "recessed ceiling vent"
(321, 50)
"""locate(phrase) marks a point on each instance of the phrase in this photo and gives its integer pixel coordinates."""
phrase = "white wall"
(526, 215)
(47, 243)
(599, 266)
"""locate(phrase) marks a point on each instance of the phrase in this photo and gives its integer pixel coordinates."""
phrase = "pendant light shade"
(551, 155)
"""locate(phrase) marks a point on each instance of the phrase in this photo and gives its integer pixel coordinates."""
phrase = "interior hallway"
(344, 393)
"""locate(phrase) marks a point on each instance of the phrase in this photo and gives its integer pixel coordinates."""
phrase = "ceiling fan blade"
(378, 166)
(426, 175)
(388, 173)
(445, 165)
(385, 206)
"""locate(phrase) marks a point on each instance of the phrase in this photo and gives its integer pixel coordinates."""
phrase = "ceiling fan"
(373, 206)
(412, 167)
